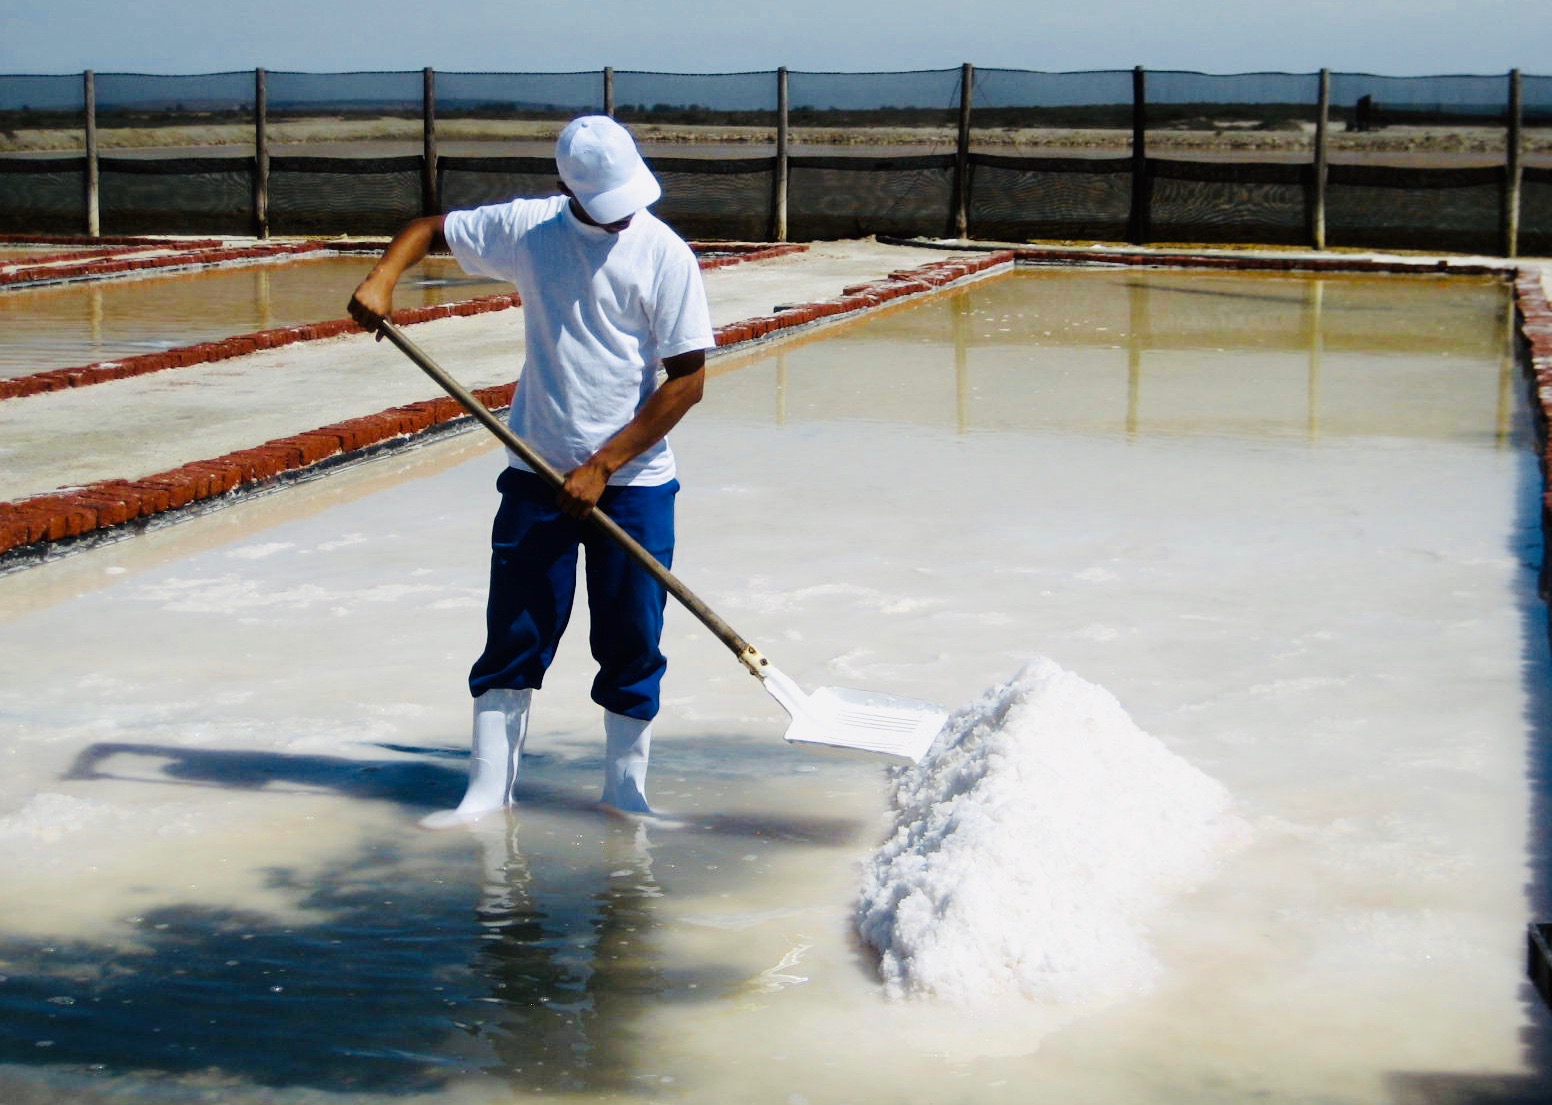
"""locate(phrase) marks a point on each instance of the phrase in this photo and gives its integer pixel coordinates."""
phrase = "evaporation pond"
(1291, 525)
(77, 324)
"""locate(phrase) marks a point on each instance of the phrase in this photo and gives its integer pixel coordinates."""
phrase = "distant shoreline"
(1412, 143)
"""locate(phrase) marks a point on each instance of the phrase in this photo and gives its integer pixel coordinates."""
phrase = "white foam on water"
(1031, 847)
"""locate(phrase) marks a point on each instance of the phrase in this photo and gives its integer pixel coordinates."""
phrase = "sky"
(1392, 37)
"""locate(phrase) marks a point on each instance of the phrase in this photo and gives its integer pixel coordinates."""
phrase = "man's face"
(581, 213)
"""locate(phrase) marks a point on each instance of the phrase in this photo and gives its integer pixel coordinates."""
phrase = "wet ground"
(1303, 560)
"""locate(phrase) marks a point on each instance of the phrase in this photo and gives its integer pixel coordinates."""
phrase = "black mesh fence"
(717, 199)
(42, 195)
(1536, 213)
(1364, 101)
(466, 182)
(1415, 162)
(855, 100)
(43, 103)
(305, 95)
(1018, 100)
(198, 195)
(344, 195)
(850, 197)
(1238, 102)
(175, 102)
(1215, 202)
(679, 100)
(1536, 93)
(502, 97)
(1016, 199)
(1378, 206)
(346, 114)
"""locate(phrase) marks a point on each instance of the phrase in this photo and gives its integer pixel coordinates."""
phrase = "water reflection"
(566, 947)
(1139, 353)
(526, 950)
(411, 972)
(62, 327)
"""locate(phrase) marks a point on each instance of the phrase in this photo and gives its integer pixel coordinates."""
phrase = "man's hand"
(583, 488)
(371, 303)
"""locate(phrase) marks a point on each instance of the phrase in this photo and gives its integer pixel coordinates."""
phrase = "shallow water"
(62, 327)
(1308, 569)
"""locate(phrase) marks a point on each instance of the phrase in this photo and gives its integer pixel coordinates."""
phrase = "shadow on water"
(406, 781)
(1529, 549)
(531, 966)
(523, 950)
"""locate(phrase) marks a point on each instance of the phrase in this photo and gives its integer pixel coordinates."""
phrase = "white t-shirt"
(600, 310)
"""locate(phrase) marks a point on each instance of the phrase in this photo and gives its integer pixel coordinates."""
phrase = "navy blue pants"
(533, 580)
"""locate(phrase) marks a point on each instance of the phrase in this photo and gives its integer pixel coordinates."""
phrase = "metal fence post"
(93, 208)
(959, 217)
(1513, 171)
(779, 186)
(260, 153)
(431, 202)
(609, 90)
(1138, 229)
(1322, 137)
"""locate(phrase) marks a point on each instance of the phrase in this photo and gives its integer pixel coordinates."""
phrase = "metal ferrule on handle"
(747, 654)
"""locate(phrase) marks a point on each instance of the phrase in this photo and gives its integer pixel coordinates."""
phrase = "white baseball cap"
(599, 162)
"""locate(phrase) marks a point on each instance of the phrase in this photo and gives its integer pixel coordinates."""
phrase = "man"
(609, 294)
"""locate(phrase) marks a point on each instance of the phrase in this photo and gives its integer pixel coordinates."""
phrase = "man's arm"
(661, 412)
(373, 300)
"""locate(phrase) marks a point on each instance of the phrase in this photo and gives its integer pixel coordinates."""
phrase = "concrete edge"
(64, 269)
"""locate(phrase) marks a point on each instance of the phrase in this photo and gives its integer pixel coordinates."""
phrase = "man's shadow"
(411, 782)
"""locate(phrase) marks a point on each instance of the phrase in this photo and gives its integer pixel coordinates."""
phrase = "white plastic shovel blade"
(835, 717)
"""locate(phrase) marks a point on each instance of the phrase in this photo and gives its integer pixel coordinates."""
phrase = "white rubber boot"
(500, 727)
(628, 745)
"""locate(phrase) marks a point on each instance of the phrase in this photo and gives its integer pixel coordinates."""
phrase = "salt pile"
(1031, 847)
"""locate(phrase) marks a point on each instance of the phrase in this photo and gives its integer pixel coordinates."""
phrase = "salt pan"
(1031, 847)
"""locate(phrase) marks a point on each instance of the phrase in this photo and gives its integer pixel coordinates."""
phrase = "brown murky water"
(61, 327)
(1145, 353)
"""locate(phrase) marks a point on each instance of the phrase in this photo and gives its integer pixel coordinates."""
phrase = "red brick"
(283, 455)
(54, 517)
(122, 490)
(28, 517)
(182, 487)
(214, 477)
(445, 409)
(350, 436)
(251, 465)
(110, 509)
(413, 418)
(315, 446)
(13, 535)
(496, 397)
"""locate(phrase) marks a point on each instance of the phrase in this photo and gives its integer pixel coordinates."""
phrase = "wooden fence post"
(779, 185)
(1138, 228)
(959, 216)
(1322, 137)
(609, 90)
(93, 207)
(431, 202)
(1513, 170)
(260, 153)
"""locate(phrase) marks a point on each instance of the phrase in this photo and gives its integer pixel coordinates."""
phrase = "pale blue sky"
(1399, 37)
